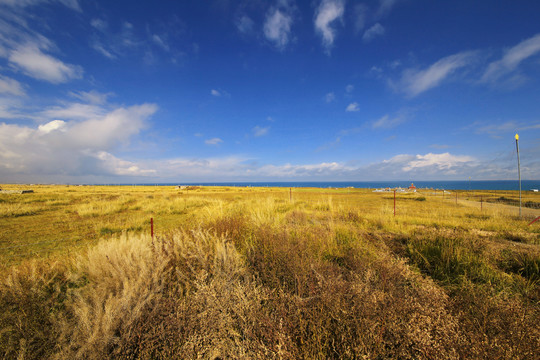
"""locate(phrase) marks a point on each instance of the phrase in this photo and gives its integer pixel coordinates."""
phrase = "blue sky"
(223, 90)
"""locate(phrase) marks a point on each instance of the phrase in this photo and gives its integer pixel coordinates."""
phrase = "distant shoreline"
(526, 185)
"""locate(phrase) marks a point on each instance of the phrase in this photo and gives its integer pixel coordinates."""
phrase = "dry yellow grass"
(249, 273)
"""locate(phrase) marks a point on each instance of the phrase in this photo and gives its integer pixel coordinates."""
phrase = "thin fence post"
(290, 194)
(456, 197)
(481, 203)
(152, 228)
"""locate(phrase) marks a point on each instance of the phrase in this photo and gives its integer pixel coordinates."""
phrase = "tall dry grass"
(249, 274)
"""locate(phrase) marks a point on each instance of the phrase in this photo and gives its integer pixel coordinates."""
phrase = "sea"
(526, 185)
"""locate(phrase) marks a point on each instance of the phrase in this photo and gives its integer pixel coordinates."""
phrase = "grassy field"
(267, 273)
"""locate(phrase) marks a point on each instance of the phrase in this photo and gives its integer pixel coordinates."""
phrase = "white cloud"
(114, 128)
(159, 41)
(445, 161)
(215, 92)
(353, 107)
(244, 24)
(332, 169)
(260, 131)
(387, 122)
(117, 44)
(415, 82)
(99, 24)
(213, 141)
(101, 49)
(277, 28)
(349, 88)
(71, 148)
(91, 97)
(385, 6)
(52, 126)
(73, 4)
(10, 86)
(34, 63)
(360, 14)
(373, 32)
(74, 111)
(327, 13)
(508, 128)
(512, 59)
(329, 97)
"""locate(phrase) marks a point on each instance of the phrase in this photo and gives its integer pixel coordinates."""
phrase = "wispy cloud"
(10, 86)
(245, 24)
(116, 44)
(349, 88)
(498, 130)
(99, 24)
(353, 107)
(277, 27)
(73, 111)
(160, 41)
(361, 12)
(373, 32)
(414, 82)
(511, 60)
(259, 131)
(73, 4)
(328, 12)
(215, 92)
(385, 6)
(329, 97)
(91, 97)
(213, 141)
(387, 122)
(33, 62)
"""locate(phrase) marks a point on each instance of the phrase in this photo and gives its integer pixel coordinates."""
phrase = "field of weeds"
(249, 273)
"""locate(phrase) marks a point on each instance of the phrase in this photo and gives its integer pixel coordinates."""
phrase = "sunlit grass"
(266, 273)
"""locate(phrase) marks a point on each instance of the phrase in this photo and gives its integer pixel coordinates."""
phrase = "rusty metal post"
(152, 228)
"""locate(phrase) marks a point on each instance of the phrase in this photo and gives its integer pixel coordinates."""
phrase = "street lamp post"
(519, 173)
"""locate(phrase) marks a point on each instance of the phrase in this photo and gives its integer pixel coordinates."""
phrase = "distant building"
(412, 187)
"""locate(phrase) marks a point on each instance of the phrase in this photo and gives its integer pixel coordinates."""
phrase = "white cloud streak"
(73, 4)
(213, 141)
(387, 122)
(385, 6)
(259, 131)
(10, 86)
(328, 12)
(34, 63)
(373, 32)
(415, 82)
(512, 58)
